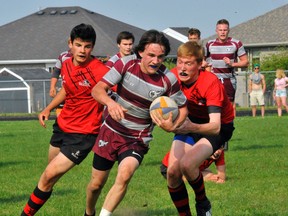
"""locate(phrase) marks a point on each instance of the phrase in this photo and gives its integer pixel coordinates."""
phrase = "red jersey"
(206, 91)
(81, 113)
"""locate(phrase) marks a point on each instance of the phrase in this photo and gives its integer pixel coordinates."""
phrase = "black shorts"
(217, 141)
(104, 164)
(74, 146)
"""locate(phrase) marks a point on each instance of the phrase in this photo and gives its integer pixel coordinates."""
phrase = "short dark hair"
(193, 31)
(222, 21)
(152, 36)
(83, 31)
(124, 35)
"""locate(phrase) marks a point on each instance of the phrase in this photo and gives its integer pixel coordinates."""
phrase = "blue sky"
(154, 14)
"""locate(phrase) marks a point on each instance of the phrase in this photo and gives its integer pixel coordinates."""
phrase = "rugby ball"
(164, 105)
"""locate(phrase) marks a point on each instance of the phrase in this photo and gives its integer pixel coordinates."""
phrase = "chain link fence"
(30, 96)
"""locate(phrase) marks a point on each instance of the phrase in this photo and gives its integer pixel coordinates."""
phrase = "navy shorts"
(74, 146)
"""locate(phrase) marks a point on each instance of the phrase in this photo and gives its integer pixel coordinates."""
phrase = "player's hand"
(165, 124)
(185, 128)
(52, 92)
(43, 116)
(116, 110)
(227, 61)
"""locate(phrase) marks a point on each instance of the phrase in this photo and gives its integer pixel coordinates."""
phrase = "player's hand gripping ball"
(164, 105)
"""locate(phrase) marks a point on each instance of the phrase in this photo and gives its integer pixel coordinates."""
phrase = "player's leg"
(75, 150)
(53, 152)
(126, 170)
(53, 172)
(189, 165)
(230, 86)
(56, 142)
(176, 186)
(100, 172)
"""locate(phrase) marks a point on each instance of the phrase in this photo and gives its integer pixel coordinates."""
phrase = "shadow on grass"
(13, 163)
(12, 199)
(244, 148)
(152, 163)
(145, 212)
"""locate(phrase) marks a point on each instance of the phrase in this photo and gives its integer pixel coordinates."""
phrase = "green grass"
(256, 170)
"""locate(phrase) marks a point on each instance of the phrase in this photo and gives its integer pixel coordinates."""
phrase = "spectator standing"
(280, 92)
(257, 88)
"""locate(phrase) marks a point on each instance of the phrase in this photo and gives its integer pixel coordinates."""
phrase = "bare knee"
(48, 180)
(95, 184)
(189, 169)
(174, 176)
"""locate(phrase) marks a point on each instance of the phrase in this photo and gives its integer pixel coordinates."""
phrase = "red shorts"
(110, 144)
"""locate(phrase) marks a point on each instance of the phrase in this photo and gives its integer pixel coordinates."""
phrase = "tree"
(273, 62)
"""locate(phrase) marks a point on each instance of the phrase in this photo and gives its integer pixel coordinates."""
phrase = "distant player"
(125, 41)
(222, 56)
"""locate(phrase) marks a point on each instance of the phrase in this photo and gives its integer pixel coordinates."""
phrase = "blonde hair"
(189, 49)
(280, 73)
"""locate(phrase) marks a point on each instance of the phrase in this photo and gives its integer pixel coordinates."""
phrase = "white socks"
(104, 212)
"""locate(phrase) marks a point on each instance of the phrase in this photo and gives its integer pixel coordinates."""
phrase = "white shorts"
(257, 97)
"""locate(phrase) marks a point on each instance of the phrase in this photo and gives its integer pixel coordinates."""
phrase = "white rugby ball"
(164, 105)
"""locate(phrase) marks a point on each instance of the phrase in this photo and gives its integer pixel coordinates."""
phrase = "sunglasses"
(256, 68)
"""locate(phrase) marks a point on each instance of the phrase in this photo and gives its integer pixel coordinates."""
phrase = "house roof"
(44, 34)
(268, 29)
(181, 30)
(177, 33)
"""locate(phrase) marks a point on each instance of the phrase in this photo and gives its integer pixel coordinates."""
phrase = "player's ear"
(70, 43)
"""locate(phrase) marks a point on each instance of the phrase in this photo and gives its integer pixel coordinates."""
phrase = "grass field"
(257, 172)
